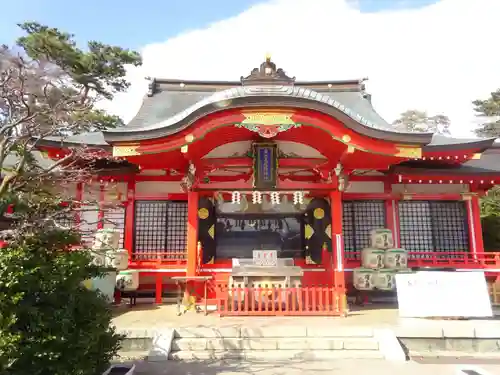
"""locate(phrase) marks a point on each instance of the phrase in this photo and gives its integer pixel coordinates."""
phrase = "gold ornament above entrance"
(267, 124)
(404, 151)
(127, 150)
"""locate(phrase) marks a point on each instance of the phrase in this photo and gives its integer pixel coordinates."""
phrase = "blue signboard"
(265, 166)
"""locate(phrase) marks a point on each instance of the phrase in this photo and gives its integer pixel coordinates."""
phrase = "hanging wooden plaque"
(265, 168)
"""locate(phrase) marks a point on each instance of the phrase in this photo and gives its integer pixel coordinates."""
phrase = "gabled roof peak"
(267, 74)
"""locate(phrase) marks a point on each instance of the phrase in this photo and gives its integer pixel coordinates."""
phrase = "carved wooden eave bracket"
(267, 74)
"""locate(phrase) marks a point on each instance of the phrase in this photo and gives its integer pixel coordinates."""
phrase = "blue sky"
(374, 42)
(136, 23)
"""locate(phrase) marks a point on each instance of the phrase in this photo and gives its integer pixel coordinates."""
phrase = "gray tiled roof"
(488, 164)
(168, 108)
(442, 142)
(90, 139)
(164, 105)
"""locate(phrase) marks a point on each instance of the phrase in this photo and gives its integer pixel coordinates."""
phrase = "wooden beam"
(282, 185)
(307, 163)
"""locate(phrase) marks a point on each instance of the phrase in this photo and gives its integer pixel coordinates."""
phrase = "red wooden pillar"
(128, 236)
(192, 233)
(391, 214)
(475, 229)
(338, 247)
(392, 219)
(158, 288)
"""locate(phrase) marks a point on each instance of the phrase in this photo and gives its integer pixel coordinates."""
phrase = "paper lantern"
(107, 238)
(372, 258)
(127, 280)
(363, 278)
(381, 238)
(384, 279)
(396, 259)
(117, 259)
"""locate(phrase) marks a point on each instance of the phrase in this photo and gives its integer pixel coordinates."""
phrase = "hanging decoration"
(189, 179)
(298, 197)
(256, 197)
(236, 197)
(342, 177)
(275, 198)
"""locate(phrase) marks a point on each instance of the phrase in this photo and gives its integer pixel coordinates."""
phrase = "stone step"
(283, 343)
(272, 331)
(275, 354)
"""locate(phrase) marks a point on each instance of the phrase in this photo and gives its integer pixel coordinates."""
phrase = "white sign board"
(265, 257)
(443, 294)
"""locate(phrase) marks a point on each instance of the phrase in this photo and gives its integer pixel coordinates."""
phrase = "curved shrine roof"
(173, 105)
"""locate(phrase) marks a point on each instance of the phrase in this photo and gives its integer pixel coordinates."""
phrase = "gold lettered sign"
(265, 165)
(126, 150)
(268, 118)
(405, 151)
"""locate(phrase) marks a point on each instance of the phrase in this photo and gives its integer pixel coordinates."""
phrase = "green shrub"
(49, 323)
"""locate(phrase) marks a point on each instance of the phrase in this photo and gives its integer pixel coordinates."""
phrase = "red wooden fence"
(267, 300)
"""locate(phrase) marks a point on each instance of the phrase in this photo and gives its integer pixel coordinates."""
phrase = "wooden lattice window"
(160, 227)
(433, 226)
(115, 218)
(359, 219)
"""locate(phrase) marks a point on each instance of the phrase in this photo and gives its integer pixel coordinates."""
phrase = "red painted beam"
(248, 162)
(282, 185)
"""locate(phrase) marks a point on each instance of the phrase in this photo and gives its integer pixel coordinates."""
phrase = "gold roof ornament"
(267, 74)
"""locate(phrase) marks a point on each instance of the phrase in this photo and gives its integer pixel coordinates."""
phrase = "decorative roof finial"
(267, 74)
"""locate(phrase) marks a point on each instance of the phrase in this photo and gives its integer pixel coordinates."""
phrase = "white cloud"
(438, 58)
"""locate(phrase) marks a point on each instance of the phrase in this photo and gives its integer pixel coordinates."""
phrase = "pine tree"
(49, 323)
(489, 110)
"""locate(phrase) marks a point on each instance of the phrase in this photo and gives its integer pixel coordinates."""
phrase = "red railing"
(266, 300)
(460, 259)
(164, 259)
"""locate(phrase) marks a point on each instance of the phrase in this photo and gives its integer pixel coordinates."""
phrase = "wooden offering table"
(264, 272)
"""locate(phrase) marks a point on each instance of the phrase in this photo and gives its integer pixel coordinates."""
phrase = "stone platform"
(367, 333)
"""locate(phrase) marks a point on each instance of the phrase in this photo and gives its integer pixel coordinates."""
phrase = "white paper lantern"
(363, 278)
(396, 259)
(372, 258)
(117, 259)
(106, 239)
(98, 258)
(385, 280)
(127, 280)
(381, 238)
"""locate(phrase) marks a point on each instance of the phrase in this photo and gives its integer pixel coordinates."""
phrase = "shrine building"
(207, 172)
